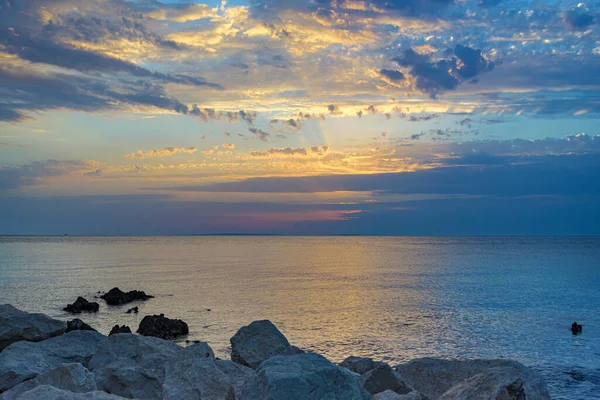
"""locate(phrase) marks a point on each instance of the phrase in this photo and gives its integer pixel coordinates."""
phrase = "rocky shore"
(41, 359)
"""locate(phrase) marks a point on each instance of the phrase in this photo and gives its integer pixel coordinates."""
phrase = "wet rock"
(133, 366)
(22, 361)
(360, 365)
(576, 328)
(71, 377)
(384, 378)
(391, 395)
(78, 325)
(82, 305)
(435, 377)
(257, 342)
(47, 392)
(116, 296)
(119, 329)
(162, 327)
(17, 325)
(238, 374)
(134, 310)
(305, 376)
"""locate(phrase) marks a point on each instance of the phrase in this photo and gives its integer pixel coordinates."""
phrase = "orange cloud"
(166, 152)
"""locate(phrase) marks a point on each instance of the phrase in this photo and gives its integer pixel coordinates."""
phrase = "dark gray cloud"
(579, 19)
(12, 177)
(392, 74)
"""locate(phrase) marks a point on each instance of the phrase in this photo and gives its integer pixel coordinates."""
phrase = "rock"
(47, 392)
(133, 310)
(384, 378)
(257, 342)
(501, 383)
(360, 365)
(78, 325)
(304, 376)
(116, 296)
(25, 360)
(195, 378)
(119, 329)
(162, 327)
(71, 377)
(17, 325)
(434, 377)
(81, 305)
(576, 328)
(238, 374)
(133, 366)
(391, 395)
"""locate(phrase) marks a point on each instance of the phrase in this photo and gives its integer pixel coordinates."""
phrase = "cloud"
(229, 146)
(182, 12)
(579, 18)
(166, 152)
(13, 177)
(312, 151)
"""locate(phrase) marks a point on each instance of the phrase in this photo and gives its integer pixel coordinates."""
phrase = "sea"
(390, 298)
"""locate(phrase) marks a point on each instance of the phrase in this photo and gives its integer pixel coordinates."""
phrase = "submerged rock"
(78, 325)
(435, 377)
(47, 392)
(71, 377)
(116, 296)
(257, 342)
(81, 305)
(384, 378)
(162, 327)
(307, 376)
(25, 360)
(576, 328)
(134, 310)
(17, 325)
(119, 329)
(360, 365)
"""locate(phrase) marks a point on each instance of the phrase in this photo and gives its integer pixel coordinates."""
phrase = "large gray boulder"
(133, 366)
(47, 392)
(238, 374)
(257, 342)
(22, 361)
(71, 377)
(391, 395)
(360, 365)
(500, 383)
(17, 325)
(384, 378)
(307, 376)
(434, 377)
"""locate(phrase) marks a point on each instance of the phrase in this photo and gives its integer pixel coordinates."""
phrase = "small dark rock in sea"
(81, 305)
(133, 310)
(78, 325)
(208, 309)
(576, 328)
(119, 329)
(116, 296)
(162, 327)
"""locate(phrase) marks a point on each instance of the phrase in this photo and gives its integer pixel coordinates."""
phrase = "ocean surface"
(391, 298)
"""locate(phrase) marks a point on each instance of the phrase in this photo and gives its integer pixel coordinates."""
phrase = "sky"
(327, 117)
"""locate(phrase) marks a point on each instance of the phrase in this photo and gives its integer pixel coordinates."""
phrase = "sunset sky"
(412, 117)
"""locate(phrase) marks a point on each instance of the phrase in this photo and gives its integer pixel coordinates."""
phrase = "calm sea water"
(390, 298)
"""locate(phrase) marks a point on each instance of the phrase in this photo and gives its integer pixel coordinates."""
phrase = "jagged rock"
(384, 378)
(25, 360)
(238, 374)
(116, 296)
(71, 377)
(17, 325)
(257, 342)
(47, 392)
(78, 325)
(162, 327)
(391, 395)
(360, 365)
(81, 305)
(134, 310)
(305, 376)
(434, 377)
(119, 329)
(133, 366)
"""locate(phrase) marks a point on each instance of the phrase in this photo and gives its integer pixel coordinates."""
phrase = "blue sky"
(435, 117)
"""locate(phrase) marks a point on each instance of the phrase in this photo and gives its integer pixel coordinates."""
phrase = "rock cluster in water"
(116, 296)
(42, 362)
(80, 305)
